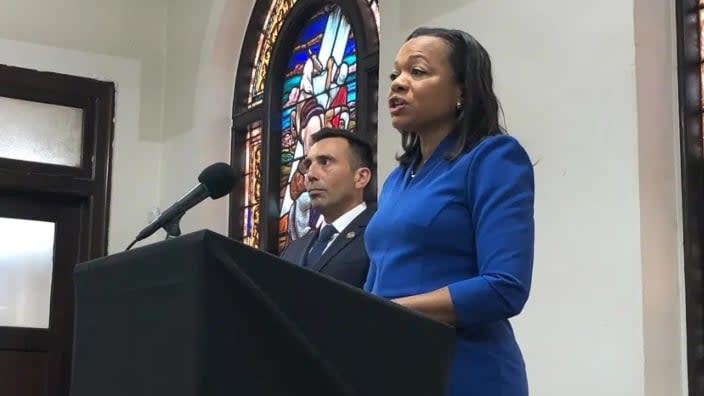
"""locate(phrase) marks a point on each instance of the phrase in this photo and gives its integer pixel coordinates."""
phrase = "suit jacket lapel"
(301, 254)
(353, 231)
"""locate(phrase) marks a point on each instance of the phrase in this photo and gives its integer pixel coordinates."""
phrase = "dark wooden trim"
(247, 117)
(65, 212)
(76, 199)
(99, 209)
(24, 339)
(17, 180)
(248, 55)
(240, 123)
(71, 216)
(52, 88)
(690, 114)
(242, 115)
(236, 221)
(70, 248)
(92, 178)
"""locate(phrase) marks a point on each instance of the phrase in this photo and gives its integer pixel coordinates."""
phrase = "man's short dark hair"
(361, 156)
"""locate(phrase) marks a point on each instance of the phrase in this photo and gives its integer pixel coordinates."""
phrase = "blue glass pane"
(319, 90)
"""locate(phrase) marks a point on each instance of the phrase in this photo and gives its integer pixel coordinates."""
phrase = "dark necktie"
(319, 245)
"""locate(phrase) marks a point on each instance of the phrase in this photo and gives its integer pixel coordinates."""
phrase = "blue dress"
(466, 224)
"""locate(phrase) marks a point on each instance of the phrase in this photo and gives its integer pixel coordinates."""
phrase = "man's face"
(334, 187)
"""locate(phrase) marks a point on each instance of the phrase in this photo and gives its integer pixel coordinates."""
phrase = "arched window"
(304, 64)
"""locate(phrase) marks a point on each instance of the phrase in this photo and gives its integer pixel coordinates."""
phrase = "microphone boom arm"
(173, 228)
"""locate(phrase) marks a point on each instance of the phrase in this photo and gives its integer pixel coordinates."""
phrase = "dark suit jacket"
(345, 259)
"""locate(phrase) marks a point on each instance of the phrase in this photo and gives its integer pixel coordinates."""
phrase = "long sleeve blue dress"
(466, 224)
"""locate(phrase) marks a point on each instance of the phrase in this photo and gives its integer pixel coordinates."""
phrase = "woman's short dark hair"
(471, 68)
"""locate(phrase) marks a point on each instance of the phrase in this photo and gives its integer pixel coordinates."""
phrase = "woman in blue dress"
(453, 234)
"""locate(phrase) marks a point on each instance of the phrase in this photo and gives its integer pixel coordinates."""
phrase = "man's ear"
(362, 176)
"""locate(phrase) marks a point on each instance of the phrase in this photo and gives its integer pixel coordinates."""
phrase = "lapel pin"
(350, 235)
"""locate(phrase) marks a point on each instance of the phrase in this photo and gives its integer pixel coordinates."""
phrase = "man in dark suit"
(337, 169)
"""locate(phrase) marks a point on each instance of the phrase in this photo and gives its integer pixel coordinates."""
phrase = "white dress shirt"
(343, 221)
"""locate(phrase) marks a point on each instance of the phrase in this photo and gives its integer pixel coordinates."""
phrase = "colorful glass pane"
(272, 25)
(320, 90)
(252, 185)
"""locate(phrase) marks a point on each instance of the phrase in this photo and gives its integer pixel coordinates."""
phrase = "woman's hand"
(436, 304)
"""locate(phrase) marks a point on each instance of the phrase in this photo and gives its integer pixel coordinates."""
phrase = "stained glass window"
(319, 90)
(320, 87)
(252, 184)
(267, 38)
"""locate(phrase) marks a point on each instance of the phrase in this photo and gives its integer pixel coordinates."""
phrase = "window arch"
(304, 64)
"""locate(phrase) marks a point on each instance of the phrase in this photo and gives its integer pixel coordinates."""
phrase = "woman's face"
(423, 95)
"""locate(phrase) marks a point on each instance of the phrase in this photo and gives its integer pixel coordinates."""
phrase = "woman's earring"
(458, 106)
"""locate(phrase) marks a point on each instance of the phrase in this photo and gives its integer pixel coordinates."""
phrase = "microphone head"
(218, 178)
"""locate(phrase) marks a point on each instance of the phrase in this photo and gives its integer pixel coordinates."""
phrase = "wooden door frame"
(90, 180)
(86, 186)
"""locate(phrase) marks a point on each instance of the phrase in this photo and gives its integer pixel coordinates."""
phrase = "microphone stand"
(172, 228)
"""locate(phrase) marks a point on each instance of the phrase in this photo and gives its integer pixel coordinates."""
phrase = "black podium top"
(204, 315)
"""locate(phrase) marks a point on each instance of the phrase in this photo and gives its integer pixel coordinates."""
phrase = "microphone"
(216, 180)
